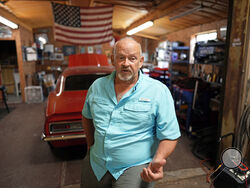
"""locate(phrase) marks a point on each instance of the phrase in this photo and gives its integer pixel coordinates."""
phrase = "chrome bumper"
(61, 137)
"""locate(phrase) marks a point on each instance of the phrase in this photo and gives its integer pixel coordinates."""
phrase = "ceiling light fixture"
(8, 23)
(140, 27)
(186, 12)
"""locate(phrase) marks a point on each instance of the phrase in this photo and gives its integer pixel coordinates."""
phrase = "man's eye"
(121, 58)
(132, 58)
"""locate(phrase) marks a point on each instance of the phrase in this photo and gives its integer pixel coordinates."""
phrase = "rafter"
(146, 36)
(160, 11)
(146, 5)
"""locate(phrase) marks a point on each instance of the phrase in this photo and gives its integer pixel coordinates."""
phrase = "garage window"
(200, 37)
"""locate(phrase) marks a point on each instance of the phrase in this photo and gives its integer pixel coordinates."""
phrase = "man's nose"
(126, 62)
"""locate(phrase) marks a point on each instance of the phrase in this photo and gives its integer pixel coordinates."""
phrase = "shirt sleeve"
(86, 108)
(167, 126)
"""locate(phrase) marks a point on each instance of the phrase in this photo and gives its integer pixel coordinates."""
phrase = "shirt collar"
(140, 77)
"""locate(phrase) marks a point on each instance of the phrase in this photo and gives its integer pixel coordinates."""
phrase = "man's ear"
(113, 60)
(141, 61)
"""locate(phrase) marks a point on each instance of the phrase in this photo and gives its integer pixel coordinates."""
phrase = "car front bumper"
(61, 137)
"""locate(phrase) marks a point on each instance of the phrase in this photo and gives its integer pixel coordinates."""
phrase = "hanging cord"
(240, 140)
(242, 137)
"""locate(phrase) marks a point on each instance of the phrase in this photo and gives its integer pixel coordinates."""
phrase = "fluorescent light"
(8, 23)
(140, 27)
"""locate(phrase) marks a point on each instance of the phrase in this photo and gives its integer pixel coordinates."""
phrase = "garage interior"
(199, 48)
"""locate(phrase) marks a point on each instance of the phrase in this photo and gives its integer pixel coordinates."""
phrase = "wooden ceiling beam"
(216, 2)
(146, 36)
(211, 12)
(37, 0)
(206, 15)
(91, 3)
(167, 23)
(160, 11)
(137, 4)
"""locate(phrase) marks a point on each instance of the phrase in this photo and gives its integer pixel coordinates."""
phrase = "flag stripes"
(82, 25)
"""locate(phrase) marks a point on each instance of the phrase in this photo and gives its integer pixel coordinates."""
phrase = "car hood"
(67, 102)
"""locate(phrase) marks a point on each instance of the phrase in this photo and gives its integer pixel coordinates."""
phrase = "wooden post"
(20, 63)
(236, 73)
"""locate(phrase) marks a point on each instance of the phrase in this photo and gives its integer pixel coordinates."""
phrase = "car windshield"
(80, 82)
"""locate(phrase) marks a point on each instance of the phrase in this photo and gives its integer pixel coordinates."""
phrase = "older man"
(130, 125)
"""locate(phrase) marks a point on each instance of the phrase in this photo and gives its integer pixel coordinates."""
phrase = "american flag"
(82, 25)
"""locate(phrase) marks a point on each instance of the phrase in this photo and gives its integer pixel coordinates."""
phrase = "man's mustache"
(126, 69)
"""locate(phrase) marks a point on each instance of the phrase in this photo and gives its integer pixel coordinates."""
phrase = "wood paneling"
(185, 34)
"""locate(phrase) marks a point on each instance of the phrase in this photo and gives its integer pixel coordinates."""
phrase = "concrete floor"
(27, 162)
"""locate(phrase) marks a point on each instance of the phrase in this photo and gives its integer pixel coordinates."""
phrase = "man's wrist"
(158, 157)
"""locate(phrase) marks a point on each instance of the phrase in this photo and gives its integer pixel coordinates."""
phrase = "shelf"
(213, 83)
(212, 44)
(211, 63)
(181, 48)
(182, 115)
(174, 76)
(180, 61)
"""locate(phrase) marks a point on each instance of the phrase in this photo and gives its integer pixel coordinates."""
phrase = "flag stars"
(67, 15)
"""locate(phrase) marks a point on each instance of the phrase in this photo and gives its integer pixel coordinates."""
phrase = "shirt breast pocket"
(101, 108)
(137, 107)
(137, 115)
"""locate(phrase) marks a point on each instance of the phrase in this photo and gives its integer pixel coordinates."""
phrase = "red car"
(63, 125)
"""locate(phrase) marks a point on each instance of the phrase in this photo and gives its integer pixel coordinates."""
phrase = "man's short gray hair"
(130, 38)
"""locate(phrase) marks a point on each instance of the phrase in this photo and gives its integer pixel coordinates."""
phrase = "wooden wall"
(185, 34)
(182, 35)
(49, 31)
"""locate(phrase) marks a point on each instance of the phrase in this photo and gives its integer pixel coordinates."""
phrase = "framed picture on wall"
(59, 56)
(52, 57)
(82, 50)
(90, 50)
(98, 49)
(69, 50)
(49, 48)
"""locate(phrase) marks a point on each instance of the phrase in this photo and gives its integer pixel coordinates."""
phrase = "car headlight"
(59, 127)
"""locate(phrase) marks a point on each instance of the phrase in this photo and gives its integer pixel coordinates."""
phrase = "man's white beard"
(125, 78)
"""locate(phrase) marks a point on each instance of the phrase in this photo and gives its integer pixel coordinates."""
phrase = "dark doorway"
(9, 75)
(8, 55)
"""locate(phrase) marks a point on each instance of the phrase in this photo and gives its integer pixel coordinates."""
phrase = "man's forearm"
(89, 130)
(165, 148)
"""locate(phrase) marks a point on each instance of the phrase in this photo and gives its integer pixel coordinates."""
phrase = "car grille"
(62, 127)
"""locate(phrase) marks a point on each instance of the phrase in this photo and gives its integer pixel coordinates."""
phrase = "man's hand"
(154, 171)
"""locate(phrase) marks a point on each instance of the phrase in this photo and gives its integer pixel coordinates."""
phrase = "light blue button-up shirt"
(127, 133)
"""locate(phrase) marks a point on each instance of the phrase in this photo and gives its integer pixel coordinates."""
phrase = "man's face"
(127, 60)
